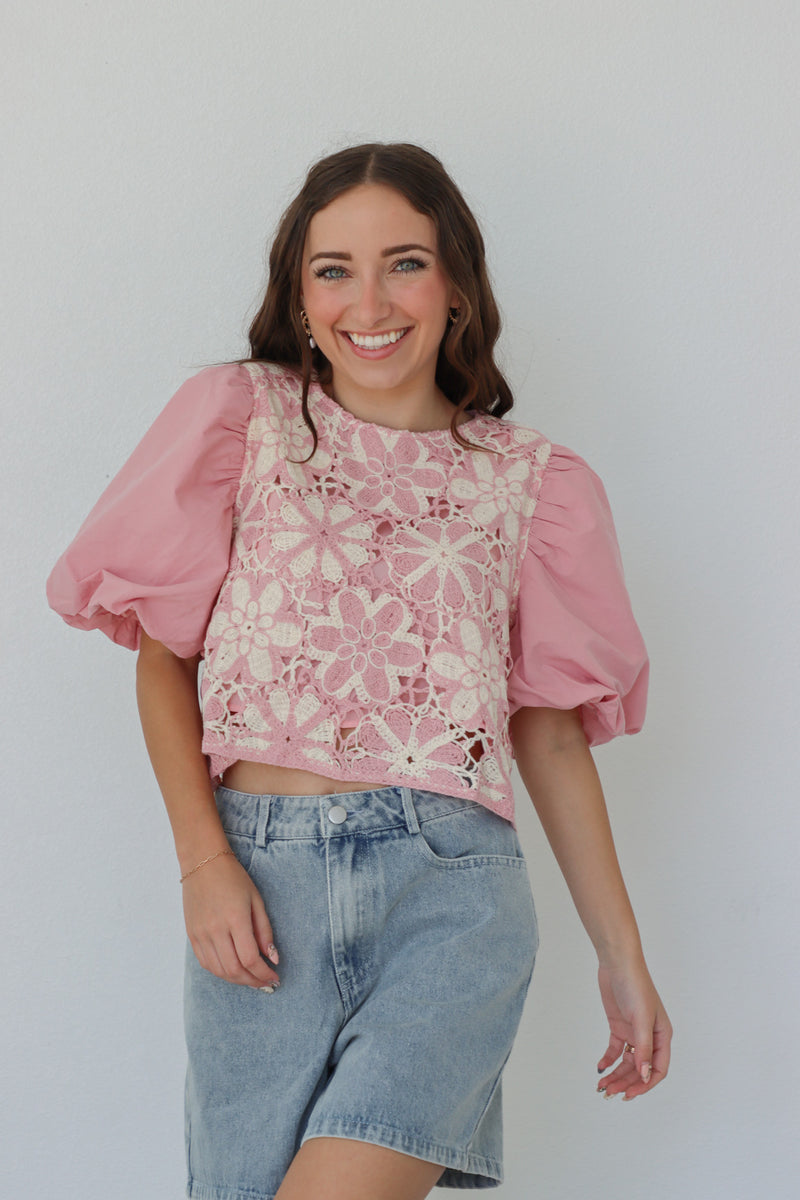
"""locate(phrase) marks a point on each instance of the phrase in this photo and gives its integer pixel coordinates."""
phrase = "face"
(375, 294)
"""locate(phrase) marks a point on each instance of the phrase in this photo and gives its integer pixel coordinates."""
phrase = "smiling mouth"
(376, 341)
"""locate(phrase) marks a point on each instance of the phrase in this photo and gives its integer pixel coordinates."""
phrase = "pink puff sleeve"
(575, 641)
(154, 550)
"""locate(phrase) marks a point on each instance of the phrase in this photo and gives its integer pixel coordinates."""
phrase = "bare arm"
(558, 771)
(166, 692)
(225, 918)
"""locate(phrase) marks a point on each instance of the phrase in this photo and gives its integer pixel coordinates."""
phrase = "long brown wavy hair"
(465, 370)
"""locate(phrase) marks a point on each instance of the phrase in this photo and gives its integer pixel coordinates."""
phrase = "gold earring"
(307, 327)
(453, 315)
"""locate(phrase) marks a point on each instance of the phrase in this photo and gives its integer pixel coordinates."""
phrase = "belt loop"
(412, 823)
(263, 820)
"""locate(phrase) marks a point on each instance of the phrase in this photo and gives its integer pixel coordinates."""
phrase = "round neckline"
(333, 407)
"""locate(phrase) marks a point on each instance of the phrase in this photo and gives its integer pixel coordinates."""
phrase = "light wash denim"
(407, 937)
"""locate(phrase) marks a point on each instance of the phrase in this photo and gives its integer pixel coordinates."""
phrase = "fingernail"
(269, 990)
(645, 1072)
(272, 954)
(600, 1089)
(628, 1097)
(600, 1070)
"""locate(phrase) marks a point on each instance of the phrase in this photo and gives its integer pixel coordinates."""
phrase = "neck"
(396, 409)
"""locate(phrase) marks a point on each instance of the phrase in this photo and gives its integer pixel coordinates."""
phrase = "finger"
(660, 1064)
(643, 1054)
(619, 1080)
(212, 961)
(231, 969)
(622, 1070)
(657, 1073)
(262, 929)
(628, 1079)
(631, 1081)
(638, 1088)
(199, 953)
(611, 1055)
(662, 1049)
(258, 973)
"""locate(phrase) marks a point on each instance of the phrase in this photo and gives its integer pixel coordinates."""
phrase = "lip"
(379, 351)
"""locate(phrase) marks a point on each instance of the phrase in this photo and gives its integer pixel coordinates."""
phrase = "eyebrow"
(343, 257)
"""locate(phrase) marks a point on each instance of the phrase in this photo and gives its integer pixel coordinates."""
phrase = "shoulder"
(571, 484)
(270, 385)
(568, 496)
(573, 522)
(563, 470)
(261, 373)
(220, 381)
(206, 419)
(226, 395)
(245, 374)
(513, 442)
(557, 459)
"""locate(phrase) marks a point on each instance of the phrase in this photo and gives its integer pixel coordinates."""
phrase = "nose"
(372, 304)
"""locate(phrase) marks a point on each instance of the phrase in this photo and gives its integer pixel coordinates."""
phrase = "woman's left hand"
(641, 1032)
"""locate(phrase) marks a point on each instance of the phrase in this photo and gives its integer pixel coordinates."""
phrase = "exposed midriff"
(265, 779)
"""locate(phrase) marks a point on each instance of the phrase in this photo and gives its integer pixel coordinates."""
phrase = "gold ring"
(628, 1047)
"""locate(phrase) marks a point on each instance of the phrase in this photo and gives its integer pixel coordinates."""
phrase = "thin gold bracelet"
(210, 858)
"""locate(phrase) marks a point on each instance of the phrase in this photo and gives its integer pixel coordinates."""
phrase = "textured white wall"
(636, 170)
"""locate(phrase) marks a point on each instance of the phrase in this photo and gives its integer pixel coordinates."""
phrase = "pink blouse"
(210, 500)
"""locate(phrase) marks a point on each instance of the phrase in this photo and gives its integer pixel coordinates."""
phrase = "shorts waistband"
(335, 814)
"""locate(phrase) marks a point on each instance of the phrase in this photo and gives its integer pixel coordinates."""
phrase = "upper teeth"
(374, 342)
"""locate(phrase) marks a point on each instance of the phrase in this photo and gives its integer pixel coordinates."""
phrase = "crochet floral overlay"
(362, 629)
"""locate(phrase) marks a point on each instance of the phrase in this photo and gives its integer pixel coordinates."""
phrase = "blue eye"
(406, 266)
(330, 273)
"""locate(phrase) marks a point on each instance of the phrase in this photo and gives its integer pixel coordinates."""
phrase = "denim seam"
(210, 1191)
(490, 1097)
(460, 1160)
(468, 860)
(454, 813)
(251, 848)
(334, 833)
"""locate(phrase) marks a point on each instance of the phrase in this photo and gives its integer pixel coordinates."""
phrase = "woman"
(395, 592)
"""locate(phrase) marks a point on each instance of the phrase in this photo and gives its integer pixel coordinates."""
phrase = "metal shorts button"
(337, 814)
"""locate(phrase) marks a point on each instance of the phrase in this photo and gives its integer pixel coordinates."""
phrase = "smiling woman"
(380, 297)
(466, 374)
(389, 615)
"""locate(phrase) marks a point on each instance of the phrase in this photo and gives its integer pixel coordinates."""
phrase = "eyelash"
(417, 265)
(323, 272)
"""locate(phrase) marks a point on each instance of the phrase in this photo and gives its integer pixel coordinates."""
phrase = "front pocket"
(469, 836)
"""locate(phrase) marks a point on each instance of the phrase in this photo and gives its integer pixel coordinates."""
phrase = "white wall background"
(636, 169)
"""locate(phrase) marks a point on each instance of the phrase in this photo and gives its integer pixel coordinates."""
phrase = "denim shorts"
(407, 936)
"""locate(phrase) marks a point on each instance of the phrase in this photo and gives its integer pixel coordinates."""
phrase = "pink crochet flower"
(365, 646)
(442, 561)
(392, 479)
(250, 629)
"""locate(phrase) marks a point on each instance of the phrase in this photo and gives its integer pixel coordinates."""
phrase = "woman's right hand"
(227, 924)
(226, 921)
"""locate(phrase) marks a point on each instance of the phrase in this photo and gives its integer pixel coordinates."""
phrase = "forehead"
(370, 217)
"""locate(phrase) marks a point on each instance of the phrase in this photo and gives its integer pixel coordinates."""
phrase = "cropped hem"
(462, 1169)
(222, 755)
(207, 1191)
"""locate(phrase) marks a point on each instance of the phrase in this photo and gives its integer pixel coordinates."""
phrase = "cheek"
(431, 298)
(322, 304)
